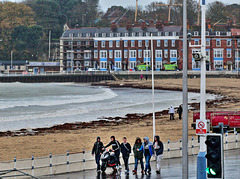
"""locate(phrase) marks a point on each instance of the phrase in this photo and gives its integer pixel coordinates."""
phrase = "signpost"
(201, 127)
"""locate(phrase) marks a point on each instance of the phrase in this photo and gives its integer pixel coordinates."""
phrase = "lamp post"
(72, 56)
(11, 60)
(153, 100)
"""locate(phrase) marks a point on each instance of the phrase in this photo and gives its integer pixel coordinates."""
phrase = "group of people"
(172, 112)
(141, 149)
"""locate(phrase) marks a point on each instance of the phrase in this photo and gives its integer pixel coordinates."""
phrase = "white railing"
(65, 163)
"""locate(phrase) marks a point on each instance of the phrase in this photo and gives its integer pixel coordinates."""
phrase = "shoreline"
(119, 120)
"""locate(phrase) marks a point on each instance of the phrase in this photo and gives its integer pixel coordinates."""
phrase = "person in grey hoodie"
(148, 152)
(158, 152)
(97, 150)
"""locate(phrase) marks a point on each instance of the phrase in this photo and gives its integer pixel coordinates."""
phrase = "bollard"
(32, 165)
(15, 163)
(236, 139)
(84, 159)
(168, 144)
(67, 161)
(168, 147)
(50, 160)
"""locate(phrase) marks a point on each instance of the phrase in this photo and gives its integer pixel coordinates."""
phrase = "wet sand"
(74, 137)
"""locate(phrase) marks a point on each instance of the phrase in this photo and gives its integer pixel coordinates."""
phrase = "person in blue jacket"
(148, 152)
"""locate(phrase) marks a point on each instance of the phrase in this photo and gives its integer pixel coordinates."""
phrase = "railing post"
(168, 147)
(67, 161)
(226, 140)
(236, 140)
(84, 159)
(50, 160)
(32, 165)
(15, 163)
(192, 146)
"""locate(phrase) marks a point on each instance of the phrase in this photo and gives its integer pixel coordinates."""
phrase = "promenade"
(171, 169)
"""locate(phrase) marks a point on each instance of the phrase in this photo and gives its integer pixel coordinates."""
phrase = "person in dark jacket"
(116, 148)
(148, 152)
(158, 152)
(138, 154)
(125, 150)
(97, 150)
(179, 111)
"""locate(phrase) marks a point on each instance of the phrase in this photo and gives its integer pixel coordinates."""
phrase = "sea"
(34, 105)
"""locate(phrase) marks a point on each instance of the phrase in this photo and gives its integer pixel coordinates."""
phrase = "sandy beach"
(75, 137)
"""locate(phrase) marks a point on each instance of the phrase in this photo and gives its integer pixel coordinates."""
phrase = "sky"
(105, 4)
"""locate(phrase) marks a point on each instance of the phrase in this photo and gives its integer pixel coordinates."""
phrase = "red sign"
(201, 127)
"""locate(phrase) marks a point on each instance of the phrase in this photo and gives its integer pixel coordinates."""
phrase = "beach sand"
(61, 141)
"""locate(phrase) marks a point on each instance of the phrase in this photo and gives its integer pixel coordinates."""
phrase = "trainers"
(142, 172)
(149, 172)
(134, 172)
(120, 167)
(158, 172)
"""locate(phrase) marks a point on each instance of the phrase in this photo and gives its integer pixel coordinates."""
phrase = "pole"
(136, 10)
(11, 60)
(185, 97)
(237, 61)
(153, 102)
(49, 48)
(72, 56)
(201, 160)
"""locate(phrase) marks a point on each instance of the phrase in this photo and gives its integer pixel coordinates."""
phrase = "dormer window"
(70, 35)
(229, 33)
(159, 34)
(195, 33)
(133, 34)
(147, 34)
(96, 34)
(111, 34)
(80, 35)
(207, 33)
(218, 33)
(126, 34)
(174, 33)
(166, 33)
(88, 35)
(103, 34)
(118, 34)
(140, 34)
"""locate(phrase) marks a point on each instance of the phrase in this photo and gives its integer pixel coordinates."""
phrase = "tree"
(217, 11)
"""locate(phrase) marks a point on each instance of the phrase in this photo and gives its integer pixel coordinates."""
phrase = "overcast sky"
(105, 4)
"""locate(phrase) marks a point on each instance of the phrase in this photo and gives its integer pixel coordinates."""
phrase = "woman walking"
(158, 152)
(138, 155)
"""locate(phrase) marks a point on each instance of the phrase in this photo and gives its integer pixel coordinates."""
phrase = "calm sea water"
(46, 104)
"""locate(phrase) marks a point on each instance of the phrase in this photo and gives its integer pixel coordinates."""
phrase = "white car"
(92, 69)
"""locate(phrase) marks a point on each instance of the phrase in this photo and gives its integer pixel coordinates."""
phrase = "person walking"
(116, 149)
(138, 155)
(179, 111)
(125, 150)
(158, 152)
(146, 77)
(148, 152)
(141, 76)
(171, 112)
(97, 150)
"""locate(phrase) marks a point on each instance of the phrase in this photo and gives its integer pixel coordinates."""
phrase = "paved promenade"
(171, 168)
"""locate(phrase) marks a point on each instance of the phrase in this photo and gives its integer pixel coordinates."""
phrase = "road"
(171, 168)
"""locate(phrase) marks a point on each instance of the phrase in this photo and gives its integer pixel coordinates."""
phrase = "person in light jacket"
(158, 152)
(171, 112)
(148, 152)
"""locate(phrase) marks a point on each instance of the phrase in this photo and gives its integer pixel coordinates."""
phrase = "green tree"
(217, 11)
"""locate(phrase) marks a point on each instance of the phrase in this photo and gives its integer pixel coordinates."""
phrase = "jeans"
(117, 156)
(180, 115)
(97, 159)
(147, 158)
(171, 116)
(136, 163)
(125, 159)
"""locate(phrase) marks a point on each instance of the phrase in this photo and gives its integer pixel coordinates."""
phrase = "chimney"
(113, 26)
(151, 23)
(166, 23)
(143, 25)
(129, 26)
(158, 24)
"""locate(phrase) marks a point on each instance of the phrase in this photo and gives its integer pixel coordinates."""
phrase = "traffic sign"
(201, 127)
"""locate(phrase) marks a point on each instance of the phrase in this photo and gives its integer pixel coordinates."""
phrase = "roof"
(235, 32)
(14, 62)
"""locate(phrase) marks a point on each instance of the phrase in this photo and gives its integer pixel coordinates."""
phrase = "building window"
(218, 53)
(229, 33)
(110, 54)
(207, 43)
(196, 42)
(95, 44)
(132, 64)
(174, 33)
(78, 55)
(146, 53)
(87, 43)
(78, 43)
(117, 43)
(102, 44)
(173, 43)
(147, 34)
(133, 34)
(118, 34)
(237, 54)
(95, 54)
(238, 43)
(158, 53)
(218, 64)
(217, 33)
(125, 43)
(118, 65)
(146, 43)
(139, 53)
(103, 53)
(208, 53)
(165, 53)
(132, 43)
(229, 43)
(110, 43)
(132, 54)
(103, 65)
(126, 34)
(87, 55)
(195, 33)
(173, 53)
(158, 43)
(229, 53)
(96, 34)
(70, 43)
(80, 35)
(118, 54)
(140, 34)
(159, 65)
(125, 53)
(70, 35)
(159, 34)
(218, 43)
(103, 34)
(87, 34)
(165, 43)
(207, 33)
(166, 33)
(139, 43)
(111, 34)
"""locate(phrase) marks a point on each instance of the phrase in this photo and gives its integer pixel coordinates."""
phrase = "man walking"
(171, 112)
(125, 150)
(179, 111)
(97, 150)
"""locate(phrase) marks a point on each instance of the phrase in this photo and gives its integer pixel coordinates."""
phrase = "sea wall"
(74, 162)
